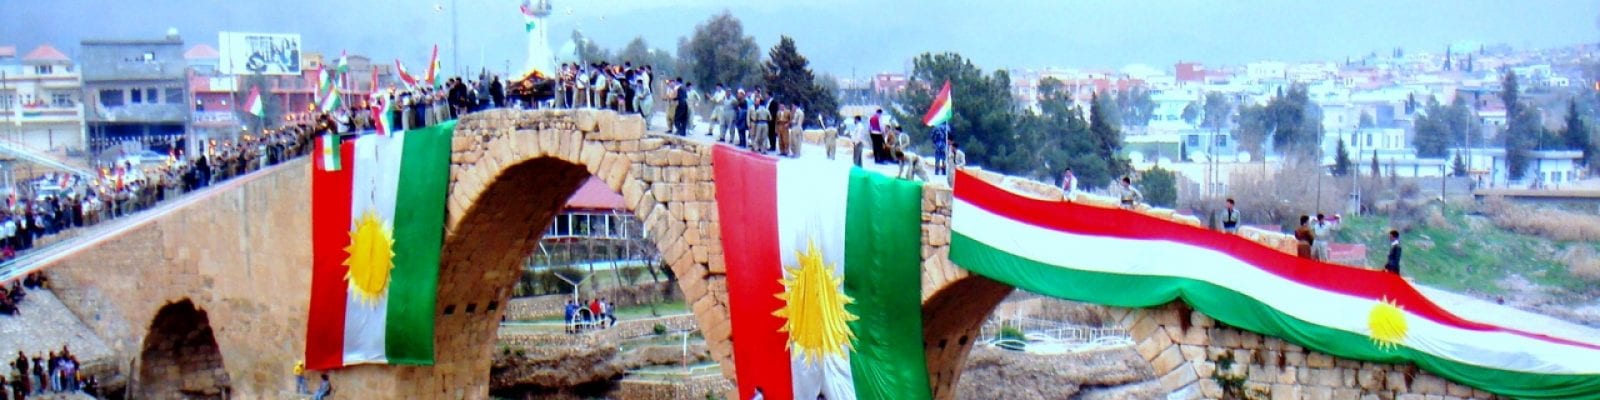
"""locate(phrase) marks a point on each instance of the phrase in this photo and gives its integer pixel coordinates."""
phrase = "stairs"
(43, 158)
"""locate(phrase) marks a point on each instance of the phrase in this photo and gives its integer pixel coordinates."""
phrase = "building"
(1547, 169)
(218, 110)
(593, 228)
(40, 95)
(136, 94)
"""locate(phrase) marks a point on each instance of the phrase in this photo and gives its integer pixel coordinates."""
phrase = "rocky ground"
(1115, 373)
(44, 325)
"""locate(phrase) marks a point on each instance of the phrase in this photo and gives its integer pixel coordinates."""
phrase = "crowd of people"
(597, 313)
(57, 202)
(57, 372)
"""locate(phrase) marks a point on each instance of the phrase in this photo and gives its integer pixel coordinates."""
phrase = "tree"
(1522, 131)
(1367, 122)
(1062, 138)
(1341, 160)
(1376, 171)
(1191, 112)
(788, 75)
(719, 52)
(983, 124)
(1252, 130)
(1160, 187)
(1296, 123)
(1135, 107)
(1576, 135)
(1217, 112)
(588, 51)
(640, 53)
(1458, 167)
(1107, 137)
(1432, 132)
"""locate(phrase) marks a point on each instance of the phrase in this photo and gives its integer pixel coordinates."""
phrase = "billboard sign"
(259, 53)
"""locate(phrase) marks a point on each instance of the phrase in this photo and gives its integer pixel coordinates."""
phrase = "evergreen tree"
(719, 51)
(1432, 132)
(1522, 131)
(1107, 135)
(1376, 172)
(1459, 166)
(1160, 187)
(788, 75)
(1341, 160)
(984, 123)
(1576, 134)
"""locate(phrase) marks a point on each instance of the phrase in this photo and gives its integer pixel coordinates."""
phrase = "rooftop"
(595, 195)
(45, 54)
(202, 52)
(8, 51)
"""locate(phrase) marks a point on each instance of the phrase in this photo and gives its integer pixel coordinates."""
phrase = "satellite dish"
(1243, 157)
(1136, 157)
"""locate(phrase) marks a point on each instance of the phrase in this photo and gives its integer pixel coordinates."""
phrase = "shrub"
(659, 329)
(631, 275)
(1009, 332)
(1548, 223)
(1581, 262)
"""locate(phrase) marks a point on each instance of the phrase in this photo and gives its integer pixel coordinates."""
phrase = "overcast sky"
(846, 37)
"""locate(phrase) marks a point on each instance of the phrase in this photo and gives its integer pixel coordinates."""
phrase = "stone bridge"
(214, 295)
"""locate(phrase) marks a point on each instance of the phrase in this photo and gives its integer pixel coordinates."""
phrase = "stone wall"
(239, 256)
(1199, 358)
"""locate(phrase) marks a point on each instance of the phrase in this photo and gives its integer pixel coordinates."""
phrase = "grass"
(1464, 252)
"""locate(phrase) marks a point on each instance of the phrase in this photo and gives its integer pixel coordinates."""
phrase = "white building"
(1546, 168)
(40, 100)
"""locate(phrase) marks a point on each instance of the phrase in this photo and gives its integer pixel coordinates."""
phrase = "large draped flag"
(823, 267)
(1125, 259)
(941, 110)
(377, 225)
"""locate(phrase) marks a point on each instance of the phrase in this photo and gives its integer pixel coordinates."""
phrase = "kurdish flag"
(941, 110)
(432, 78)
(377, 227)
(824, 267)
(253, 103)
(410, 81)
(1125, 259)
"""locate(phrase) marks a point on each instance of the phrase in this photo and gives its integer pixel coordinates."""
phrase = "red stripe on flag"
(747, 204)
(938, 103)
(1116, 222)
(330, 233)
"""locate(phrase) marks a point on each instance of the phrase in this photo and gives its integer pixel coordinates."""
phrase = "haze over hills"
(844, 37)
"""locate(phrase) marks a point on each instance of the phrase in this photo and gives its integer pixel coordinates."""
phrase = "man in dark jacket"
(681, 111)
(497, 92)
(1393, 265)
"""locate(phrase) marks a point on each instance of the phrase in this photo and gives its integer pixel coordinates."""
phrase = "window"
(135, 96)
(1194, 140)
(152, 95)
(61, 99)
(174, 96)
(8, 100)
(1369, 140)
(112, 97)
(199, 105)
(43, 69)
(1222, 140)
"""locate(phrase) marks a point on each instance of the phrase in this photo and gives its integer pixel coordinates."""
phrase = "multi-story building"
(136, 93)
(39, 100)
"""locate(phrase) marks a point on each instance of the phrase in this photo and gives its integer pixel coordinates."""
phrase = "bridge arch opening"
(486, 253)
(180, 357)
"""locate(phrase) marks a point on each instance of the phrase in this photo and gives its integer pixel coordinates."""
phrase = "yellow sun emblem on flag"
(371, 257)
(814, 313)
(1387, 320)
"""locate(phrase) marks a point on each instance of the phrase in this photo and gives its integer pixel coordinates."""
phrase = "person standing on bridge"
(1305, 236)
(681, 109)
(1393, 264)
(1230, 218)
(761, 117)
(796, 132)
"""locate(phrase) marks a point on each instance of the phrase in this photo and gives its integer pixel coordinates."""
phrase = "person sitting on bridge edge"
(1230, 218)
(324, 390)
(1393, 264)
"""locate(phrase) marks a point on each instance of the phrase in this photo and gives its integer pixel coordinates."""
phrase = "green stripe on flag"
(418, 235)
(1238, 310)
(883, 272)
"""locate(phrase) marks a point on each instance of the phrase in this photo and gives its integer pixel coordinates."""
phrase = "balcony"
(214, 119)
(44, 114)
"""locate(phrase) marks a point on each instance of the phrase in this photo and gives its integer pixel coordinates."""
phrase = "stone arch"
(180, 357)
(511, 172)
(951, 319)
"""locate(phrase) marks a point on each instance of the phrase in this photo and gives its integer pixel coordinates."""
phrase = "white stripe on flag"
(812, 200)
(1495, 350)
(375, 180)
